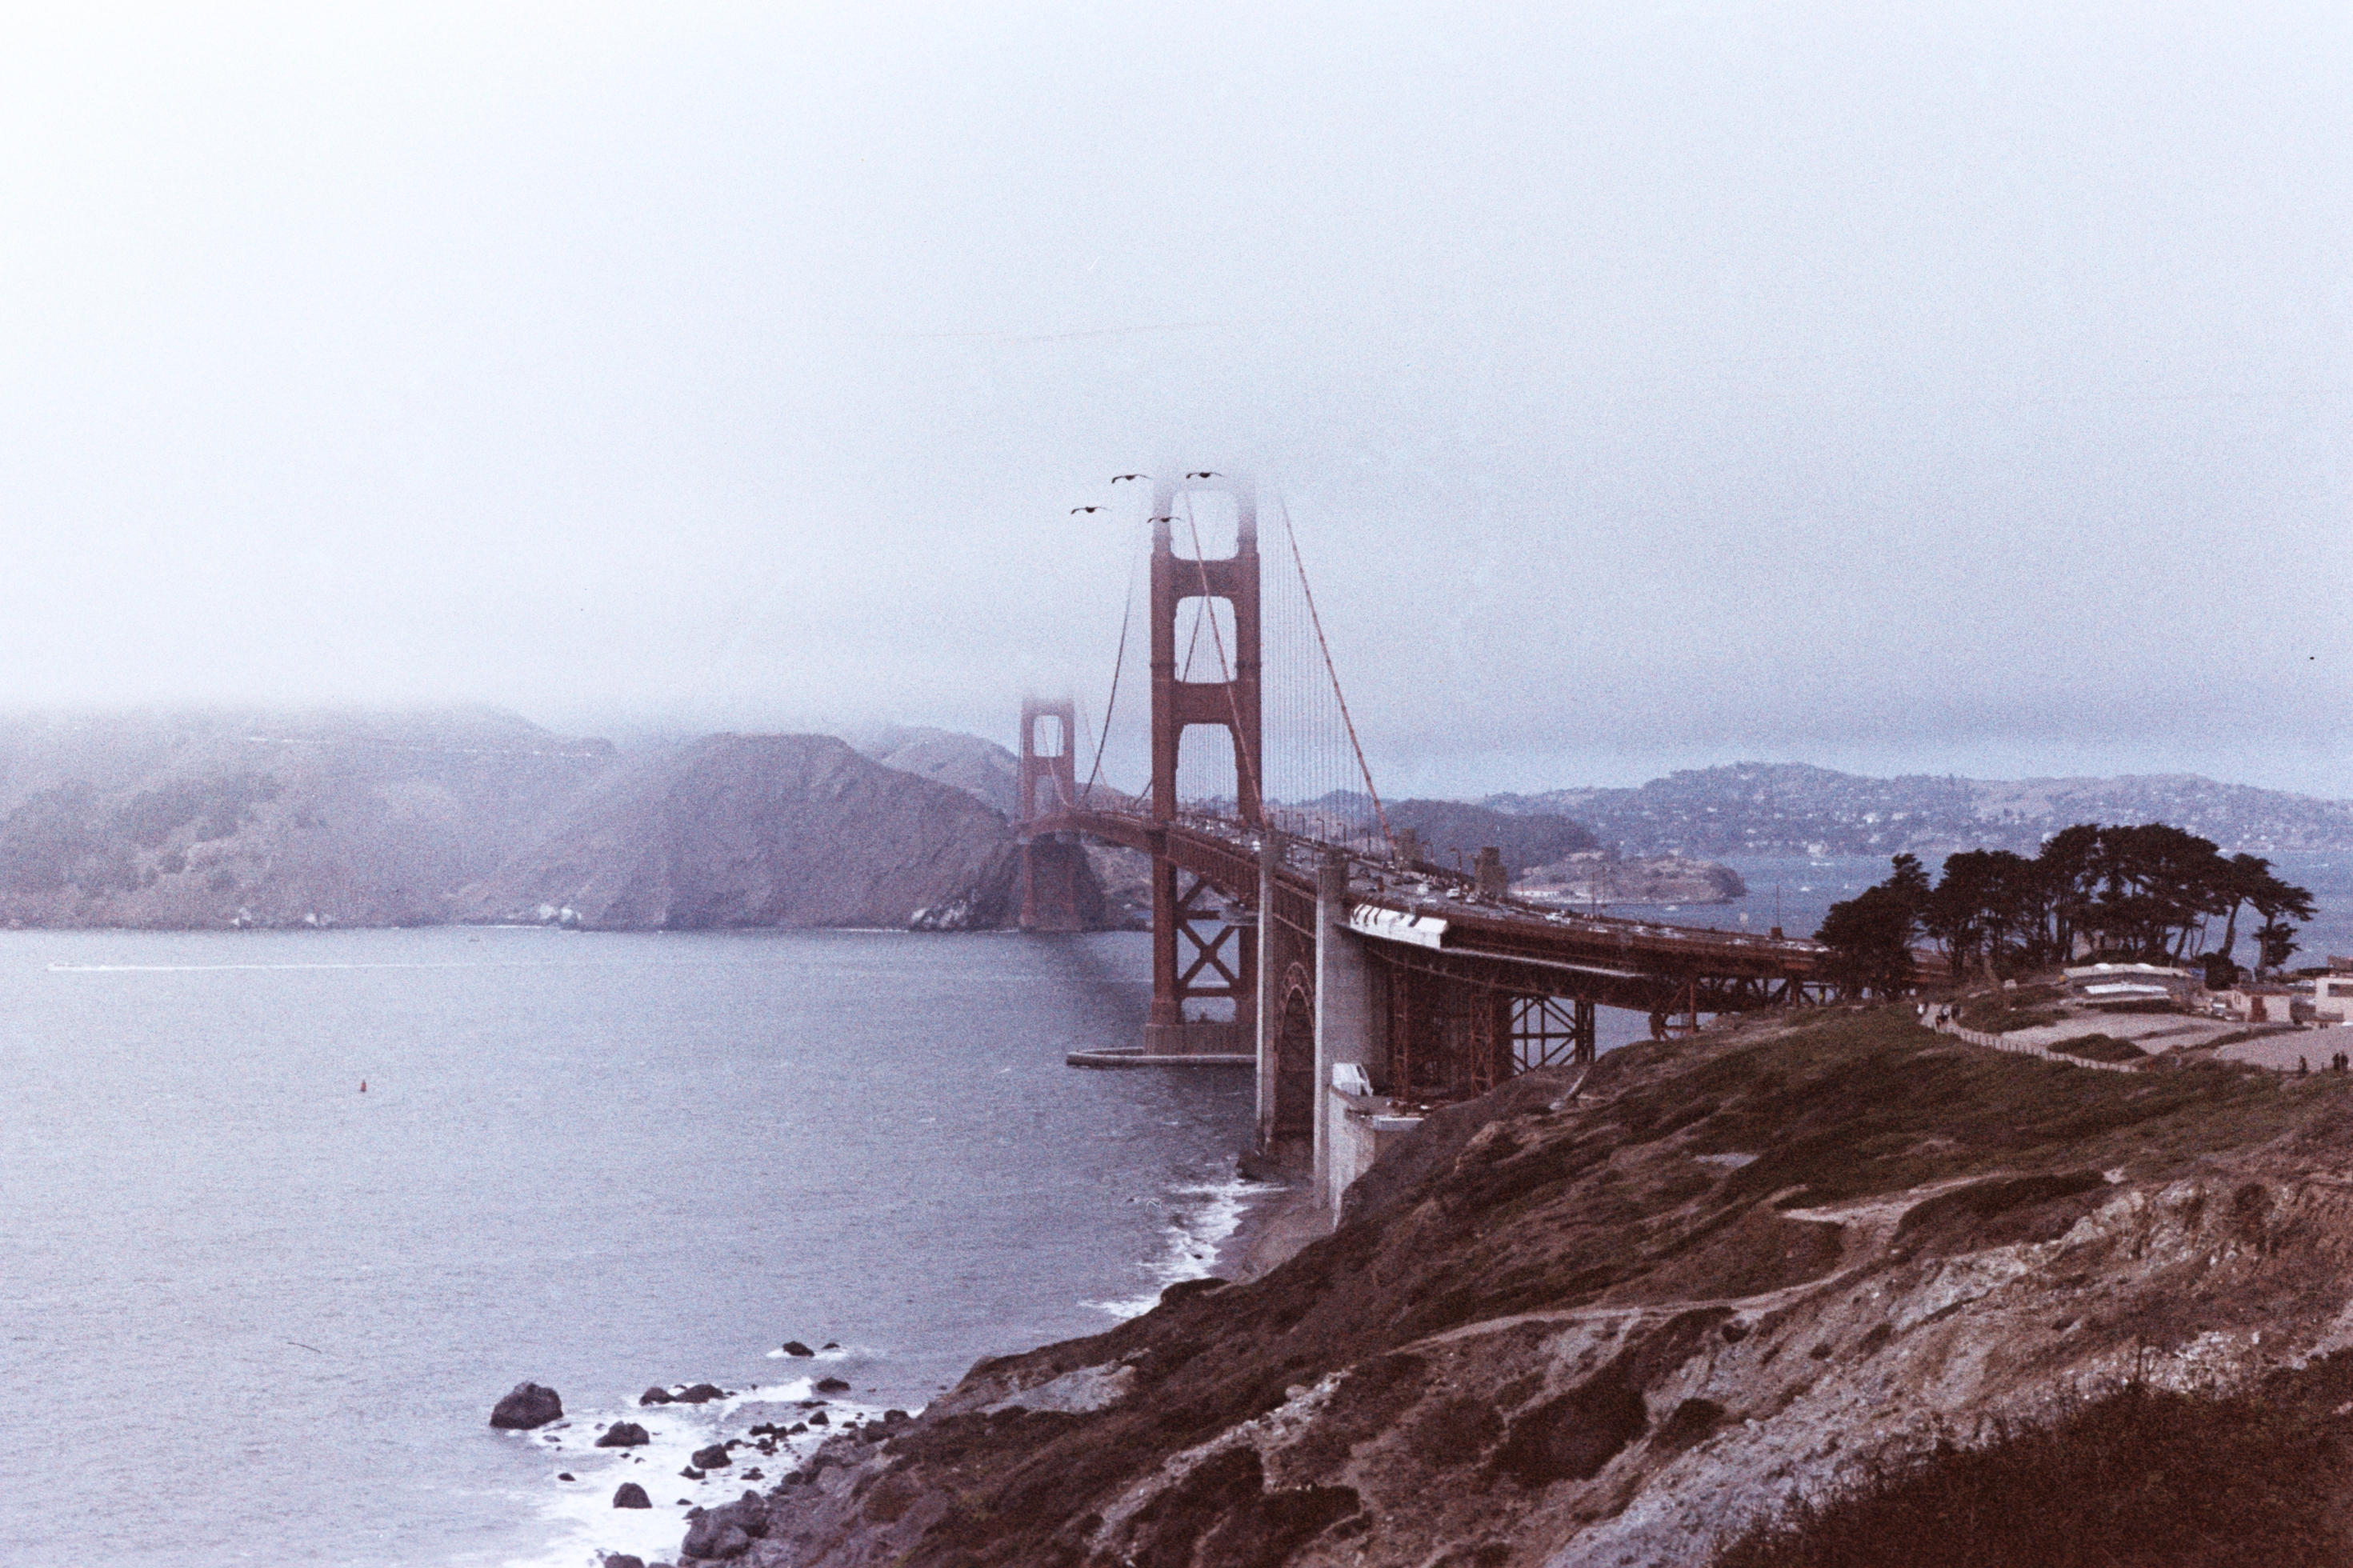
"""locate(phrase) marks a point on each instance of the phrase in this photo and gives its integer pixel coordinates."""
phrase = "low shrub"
(2099, 1049)
(2138, 1476)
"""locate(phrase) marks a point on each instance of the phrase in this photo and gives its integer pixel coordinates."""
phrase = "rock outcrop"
(526, 1405)
(1733, 1272)
(1597, 879)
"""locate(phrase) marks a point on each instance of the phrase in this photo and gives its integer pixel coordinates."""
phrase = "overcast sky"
(1938, 387)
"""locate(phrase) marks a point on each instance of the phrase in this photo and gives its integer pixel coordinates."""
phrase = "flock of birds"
(1118, 479)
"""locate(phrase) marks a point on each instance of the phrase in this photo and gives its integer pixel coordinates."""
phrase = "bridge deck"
(1428, 920)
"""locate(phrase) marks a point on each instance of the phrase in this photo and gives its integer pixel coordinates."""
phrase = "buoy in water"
(362, 1086)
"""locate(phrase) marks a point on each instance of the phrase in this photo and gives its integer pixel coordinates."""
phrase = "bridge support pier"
(1347, 1024)
(1195, 954)
(1268, 1032)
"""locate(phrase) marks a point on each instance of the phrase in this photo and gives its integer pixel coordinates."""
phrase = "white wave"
(837, 1353)
(1196, 1231)
(583, 1522)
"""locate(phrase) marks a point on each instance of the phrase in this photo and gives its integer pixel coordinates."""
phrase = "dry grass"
(1870, 1103)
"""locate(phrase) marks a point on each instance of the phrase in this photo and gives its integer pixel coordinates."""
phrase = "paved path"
(2315, 1046)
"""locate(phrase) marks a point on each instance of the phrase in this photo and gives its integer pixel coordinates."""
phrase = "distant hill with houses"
(1786, 808)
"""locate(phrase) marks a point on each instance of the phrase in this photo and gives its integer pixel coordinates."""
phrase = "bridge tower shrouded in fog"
(1053, 864)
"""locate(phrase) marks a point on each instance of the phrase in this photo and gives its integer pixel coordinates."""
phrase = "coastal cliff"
(225, 818)
(759, 830)
(1734, 1273)
(198, 819)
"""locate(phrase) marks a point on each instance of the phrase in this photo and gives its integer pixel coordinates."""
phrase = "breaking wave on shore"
(582, 1522)
(1202, 1216)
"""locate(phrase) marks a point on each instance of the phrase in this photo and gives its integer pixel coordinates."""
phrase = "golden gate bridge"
(1363, 983)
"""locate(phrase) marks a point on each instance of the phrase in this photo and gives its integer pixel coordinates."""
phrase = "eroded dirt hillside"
(1736, 1271)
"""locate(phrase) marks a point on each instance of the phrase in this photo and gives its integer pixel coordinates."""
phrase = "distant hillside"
(1453, 831)
(1790, 808)
(215, 818)
(976, 767)
(207, 820)
(756, 830)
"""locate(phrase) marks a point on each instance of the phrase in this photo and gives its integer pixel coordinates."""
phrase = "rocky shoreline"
(1736, 1272)
(784, 1435)
(746, 1437)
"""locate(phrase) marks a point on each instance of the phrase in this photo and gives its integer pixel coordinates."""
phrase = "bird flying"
(1117, 478)
(1171, 518)
(1076, 509)
(1204, 474)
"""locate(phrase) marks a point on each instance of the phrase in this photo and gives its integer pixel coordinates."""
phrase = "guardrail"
(2026, 1048)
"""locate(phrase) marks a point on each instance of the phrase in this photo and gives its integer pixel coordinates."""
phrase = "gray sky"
(1929, 387)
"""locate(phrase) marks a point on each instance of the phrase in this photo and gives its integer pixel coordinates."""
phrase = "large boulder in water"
(527, 1405)
(631, 1495)
(623, 1434)
(795, 1348)
(701, 1393)
(654, 1396)
(714, 1457)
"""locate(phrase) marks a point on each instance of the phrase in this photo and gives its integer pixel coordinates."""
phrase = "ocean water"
(249, 1313)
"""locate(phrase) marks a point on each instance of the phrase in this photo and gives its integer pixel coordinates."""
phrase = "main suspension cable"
(1333, 671)
(1118, 663)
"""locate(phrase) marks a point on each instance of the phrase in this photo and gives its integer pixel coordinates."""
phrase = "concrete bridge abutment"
(1347, 1037)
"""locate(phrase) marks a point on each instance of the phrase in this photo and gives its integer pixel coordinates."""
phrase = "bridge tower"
(1195, 954)
(1053, 881)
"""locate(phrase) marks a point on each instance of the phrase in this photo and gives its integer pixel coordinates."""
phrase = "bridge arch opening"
(1048, 738)
(1205, 639)
(1206, 777)
(1294, 1114)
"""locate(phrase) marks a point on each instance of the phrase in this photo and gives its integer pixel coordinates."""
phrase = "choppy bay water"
(250, 1314)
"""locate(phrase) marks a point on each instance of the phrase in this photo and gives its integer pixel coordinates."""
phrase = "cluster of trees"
(2146, 894)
